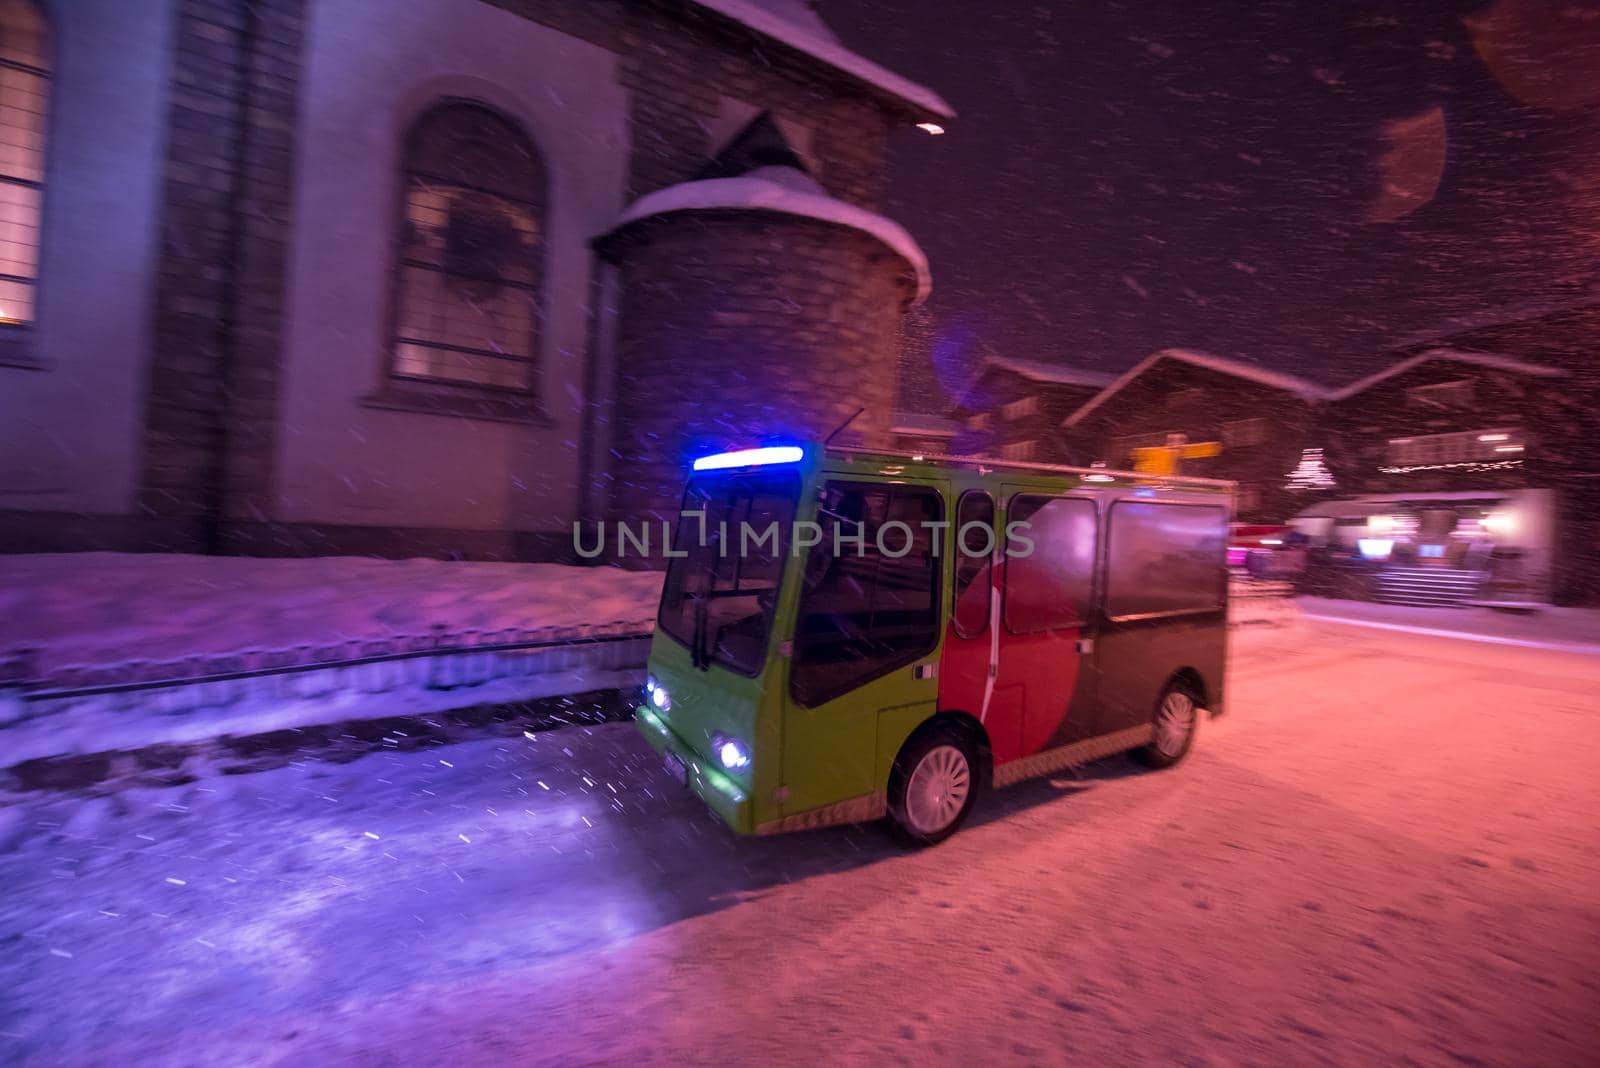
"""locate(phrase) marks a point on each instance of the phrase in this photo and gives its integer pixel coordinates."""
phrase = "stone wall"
(210, 419)
(207, 423)
(742, 327)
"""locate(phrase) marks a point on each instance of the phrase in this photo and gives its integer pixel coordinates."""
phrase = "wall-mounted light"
(930, 127)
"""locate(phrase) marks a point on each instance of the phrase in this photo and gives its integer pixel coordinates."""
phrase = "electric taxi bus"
(847, 634)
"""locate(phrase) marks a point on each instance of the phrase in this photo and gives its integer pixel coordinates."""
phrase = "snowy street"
(1386, 850)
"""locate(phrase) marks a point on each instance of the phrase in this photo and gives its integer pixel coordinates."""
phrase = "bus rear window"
(719, 596)
(1165, 559)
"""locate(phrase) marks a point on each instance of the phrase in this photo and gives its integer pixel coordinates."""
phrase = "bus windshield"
(719, 595)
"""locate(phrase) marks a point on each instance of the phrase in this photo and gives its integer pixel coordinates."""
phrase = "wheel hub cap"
(938, 789)
(1174, 723)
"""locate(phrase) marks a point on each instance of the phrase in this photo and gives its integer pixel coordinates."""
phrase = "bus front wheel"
(932, 786)
(1177, 720)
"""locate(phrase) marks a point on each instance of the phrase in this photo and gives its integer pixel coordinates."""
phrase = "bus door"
(1164, 604)
(867, 620)
(1046, 624)
(972, 637)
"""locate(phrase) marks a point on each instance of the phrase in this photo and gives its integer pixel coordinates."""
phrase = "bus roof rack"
(1028, 465)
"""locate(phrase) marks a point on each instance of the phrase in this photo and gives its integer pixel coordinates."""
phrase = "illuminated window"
(471, 246)
(978, 421)
(1472, 448)
(1020, 408)
(24, 95)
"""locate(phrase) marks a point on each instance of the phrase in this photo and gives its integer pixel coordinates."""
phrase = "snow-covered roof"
(1034, 370)
(1480, 359)
(1054, 373)
(785, 191)
(932, 426)
(793, 23)
(1300, 387)
(1469, 322)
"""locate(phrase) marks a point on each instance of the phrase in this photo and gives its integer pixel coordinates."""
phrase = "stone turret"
(755, 307)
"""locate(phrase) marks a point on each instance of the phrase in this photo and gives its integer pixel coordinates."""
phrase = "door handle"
(1085, 646)
(925, 671)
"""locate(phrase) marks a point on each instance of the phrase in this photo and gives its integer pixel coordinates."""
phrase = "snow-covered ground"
(91, 608)
(1385, 851)
(1576, 629)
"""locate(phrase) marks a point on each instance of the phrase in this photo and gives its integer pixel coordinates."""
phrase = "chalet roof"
(1288, 383)
(794, 24)
(1053, 373)
(1040, 371)
(1491, 360)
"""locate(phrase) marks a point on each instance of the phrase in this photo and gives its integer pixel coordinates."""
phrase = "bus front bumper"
(720, 792)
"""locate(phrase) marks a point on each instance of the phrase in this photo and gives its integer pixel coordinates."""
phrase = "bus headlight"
(731, 752)
(659, 698)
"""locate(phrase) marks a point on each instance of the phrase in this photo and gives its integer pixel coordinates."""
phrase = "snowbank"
(98, 608)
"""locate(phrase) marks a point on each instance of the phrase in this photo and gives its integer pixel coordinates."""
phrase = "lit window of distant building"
(1471, 448)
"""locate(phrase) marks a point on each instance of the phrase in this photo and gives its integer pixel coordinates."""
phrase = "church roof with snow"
(795, 24)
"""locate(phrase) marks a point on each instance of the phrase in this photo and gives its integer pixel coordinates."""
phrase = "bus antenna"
(840, 428)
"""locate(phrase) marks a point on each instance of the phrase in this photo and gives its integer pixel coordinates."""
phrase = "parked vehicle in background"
(1273, 551)
(921, 628)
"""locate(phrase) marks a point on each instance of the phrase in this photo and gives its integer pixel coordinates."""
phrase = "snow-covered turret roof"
(793, 23)
(1300, 387)
(785, 191)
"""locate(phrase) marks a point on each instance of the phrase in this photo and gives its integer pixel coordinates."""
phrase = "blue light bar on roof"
(772, 454)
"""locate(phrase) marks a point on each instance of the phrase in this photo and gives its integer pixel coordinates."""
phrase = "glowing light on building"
(930, 127)
(1375, 548)
(1311, 473)
(1499, 523)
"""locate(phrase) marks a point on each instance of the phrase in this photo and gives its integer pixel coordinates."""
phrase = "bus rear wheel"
(1177, 720)
(932, 786)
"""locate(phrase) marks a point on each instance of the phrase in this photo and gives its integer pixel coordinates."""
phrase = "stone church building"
(428, 276)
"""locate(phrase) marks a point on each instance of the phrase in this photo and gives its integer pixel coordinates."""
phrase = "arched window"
(471, 252)
(24, 94)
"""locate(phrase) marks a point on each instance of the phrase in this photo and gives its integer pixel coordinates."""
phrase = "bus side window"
(973, 542)
(1049, 588)
(874, 606)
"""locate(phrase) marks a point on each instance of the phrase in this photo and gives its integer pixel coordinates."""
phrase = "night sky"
(1296, 183)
